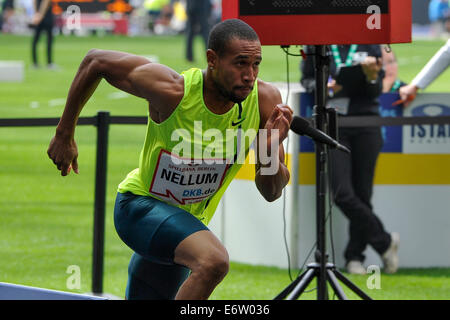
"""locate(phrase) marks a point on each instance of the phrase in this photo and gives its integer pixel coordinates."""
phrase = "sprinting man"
(163, 207)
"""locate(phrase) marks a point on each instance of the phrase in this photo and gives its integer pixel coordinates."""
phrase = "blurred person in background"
(391, 82)
(43, 20)
(352, 174)
(216, 12)
(6, 12)
(198, 13)
(160, 13)
(437, 12)
(447, 23)
(437, 64)
(1, 15)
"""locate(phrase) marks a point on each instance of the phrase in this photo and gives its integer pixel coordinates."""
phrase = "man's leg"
(208, 260)
(149, 280)
(165, 236)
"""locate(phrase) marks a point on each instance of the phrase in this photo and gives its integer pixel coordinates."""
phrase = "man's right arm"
(127, 72)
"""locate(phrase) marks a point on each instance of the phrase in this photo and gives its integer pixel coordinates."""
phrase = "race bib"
(183, 181)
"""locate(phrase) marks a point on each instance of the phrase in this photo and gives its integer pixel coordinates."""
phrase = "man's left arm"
(272, 174)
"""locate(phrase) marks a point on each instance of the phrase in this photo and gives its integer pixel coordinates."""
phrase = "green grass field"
(46, 220)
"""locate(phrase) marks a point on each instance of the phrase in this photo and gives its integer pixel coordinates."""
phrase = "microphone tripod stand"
(324, 272)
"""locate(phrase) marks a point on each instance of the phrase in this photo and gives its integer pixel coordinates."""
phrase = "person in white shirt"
(438, 63)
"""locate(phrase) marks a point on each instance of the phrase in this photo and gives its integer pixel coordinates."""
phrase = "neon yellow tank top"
(189, 159)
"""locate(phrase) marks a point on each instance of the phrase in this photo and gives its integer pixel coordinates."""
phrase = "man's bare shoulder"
(158, 72)
(158, 69)
(268, 92)
(267, 88)
(158, 79)
(268, 97)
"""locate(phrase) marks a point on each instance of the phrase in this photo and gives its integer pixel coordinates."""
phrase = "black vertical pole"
(103, 120)
(321, 75)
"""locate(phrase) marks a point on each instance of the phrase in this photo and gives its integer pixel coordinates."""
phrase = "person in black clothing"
(198, 12)
(43, 21)
(352, 174)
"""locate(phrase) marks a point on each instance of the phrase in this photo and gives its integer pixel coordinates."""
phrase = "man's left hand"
(280, 118)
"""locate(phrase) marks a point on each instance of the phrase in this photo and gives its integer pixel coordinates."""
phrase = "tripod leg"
(351, 285)
(289, 288)
(335, 285)
(309, 275)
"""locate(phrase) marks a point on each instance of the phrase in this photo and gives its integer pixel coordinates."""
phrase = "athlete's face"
(235, 72)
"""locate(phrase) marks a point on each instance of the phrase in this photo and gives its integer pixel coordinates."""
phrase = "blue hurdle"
(9, 291)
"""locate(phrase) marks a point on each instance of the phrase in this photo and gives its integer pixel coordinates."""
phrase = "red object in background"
(276, 24)
(400, 101)
(121, 26)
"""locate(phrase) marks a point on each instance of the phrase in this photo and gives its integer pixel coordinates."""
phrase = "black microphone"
(302, 127)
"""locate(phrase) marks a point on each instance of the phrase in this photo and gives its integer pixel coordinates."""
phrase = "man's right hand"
(64, 154)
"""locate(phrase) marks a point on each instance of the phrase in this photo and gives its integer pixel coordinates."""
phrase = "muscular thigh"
(152, 228)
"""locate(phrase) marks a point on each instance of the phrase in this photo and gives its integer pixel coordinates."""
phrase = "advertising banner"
(408, 139)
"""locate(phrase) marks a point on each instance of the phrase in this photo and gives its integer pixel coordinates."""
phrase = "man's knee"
(205, 255)
(212, 267)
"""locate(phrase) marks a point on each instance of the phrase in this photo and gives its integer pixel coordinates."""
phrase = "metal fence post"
(103, 121)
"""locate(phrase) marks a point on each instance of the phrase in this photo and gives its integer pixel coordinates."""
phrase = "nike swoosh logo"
(236, 123)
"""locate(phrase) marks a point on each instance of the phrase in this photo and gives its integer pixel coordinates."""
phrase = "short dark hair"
(223, 32)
